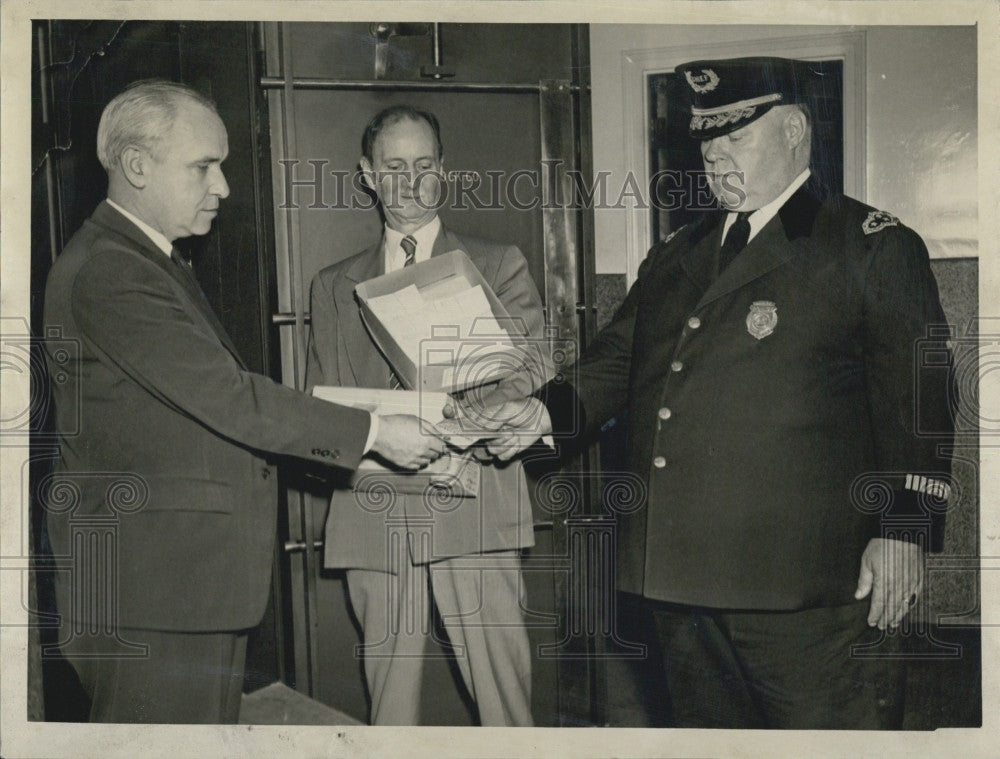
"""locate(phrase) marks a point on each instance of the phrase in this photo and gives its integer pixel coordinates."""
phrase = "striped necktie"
(409, 246)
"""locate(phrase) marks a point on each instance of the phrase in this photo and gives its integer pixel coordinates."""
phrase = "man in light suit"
(470, 549)
(768, 358)
(166, 436)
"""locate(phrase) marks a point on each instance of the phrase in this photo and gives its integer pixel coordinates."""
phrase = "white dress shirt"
(158, 238)
(393, 251)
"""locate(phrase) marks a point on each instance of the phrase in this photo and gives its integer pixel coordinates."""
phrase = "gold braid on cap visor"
(711, 118)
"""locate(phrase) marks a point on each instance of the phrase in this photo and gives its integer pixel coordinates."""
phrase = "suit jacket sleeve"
(907, 365)
(517, 292)
(137, 318)
(596, 387)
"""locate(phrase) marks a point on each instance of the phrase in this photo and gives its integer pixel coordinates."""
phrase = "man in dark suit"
(467, 552)
(160, 404)
(767, 357)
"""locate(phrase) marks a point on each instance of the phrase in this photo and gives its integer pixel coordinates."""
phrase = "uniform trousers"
(478, 599)
(811, 669)
(186, 678)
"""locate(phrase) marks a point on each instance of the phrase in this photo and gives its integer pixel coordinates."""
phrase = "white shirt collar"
(425, 237)
(759, 218)
(158, 239)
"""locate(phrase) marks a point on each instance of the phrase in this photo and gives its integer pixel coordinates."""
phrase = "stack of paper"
(448, 322)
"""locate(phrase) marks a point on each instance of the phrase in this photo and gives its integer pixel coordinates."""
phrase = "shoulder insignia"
(673, 234)
(877, 221)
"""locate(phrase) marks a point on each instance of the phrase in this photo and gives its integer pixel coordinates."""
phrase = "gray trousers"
(479, 600)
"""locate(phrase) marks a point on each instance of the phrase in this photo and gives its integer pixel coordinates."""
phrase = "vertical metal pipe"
(559, 212)
(299, 504)
(560, 247)
(587, 311)
(436, 37)
(43, 38)
(296, 278)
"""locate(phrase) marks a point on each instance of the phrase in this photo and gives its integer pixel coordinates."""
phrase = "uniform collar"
(759, 218)
(795, 219)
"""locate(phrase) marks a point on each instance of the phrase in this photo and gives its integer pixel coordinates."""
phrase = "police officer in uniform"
(766, 356)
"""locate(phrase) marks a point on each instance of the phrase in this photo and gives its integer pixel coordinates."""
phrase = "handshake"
(505, 428)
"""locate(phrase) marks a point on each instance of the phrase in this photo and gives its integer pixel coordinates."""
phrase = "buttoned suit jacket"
(166, 439)
(772, 412)
(342, 353)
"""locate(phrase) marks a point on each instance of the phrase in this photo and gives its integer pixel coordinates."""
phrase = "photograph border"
(21, 738)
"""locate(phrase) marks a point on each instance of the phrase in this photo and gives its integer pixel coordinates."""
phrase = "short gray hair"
(142, 115)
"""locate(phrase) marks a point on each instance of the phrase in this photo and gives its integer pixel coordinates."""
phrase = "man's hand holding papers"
(508, 428)
(403, 440)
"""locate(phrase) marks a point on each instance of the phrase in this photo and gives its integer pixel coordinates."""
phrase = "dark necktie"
(409, 246)
(736, 240)
(185, 267)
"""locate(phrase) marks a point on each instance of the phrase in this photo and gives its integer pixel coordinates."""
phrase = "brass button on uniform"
(265, 472)
(676, 366)
(664, 413)
(694, 322)
(659, 462)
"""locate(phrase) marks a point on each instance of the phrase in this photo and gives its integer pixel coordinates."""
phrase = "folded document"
(440, 325)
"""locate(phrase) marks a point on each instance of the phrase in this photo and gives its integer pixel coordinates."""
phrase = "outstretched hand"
(405, 441)
(509, 427)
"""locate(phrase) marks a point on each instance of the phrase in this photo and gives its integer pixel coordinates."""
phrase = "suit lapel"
(776, 244)
(183, 272)
(699, 259)
(370, 369)
(445, 242)
(109, 218)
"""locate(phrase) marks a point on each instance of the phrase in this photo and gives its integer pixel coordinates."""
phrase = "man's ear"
(134, 162)
(796, 127)
(368, 174)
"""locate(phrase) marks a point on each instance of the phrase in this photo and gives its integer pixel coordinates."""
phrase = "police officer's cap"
(729, 94)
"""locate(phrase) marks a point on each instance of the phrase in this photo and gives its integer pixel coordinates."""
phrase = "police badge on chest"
(762, 319)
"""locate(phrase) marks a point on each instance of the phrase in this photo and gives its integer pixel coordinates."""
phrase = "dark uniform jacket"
(164, 436)
(341, 353)
(771, 410)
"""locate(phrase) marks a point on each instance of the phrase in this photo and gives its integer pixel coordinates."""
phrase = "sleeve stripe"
(936, 488)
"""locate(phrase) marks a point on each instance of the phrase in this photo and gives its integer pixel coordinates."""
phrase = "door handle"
(286, 317)
(298, 546)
